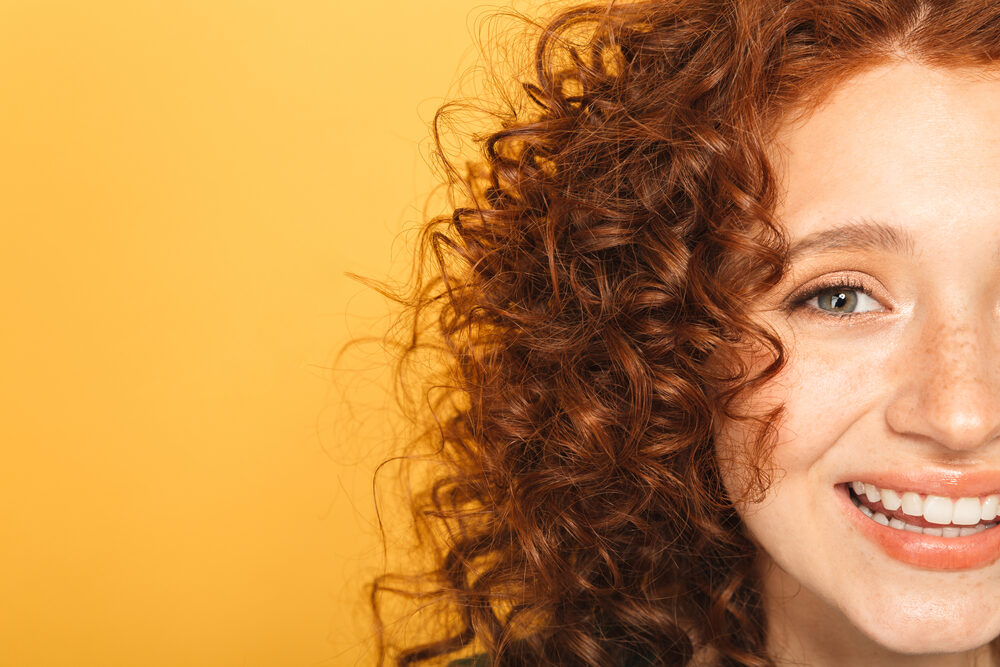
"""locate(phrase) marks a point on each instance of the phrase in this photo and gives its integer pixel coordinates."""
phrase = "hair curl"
(601, 264)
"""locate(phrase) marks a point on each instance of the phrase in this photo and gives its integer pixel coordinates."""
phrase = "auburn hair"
(589, 295)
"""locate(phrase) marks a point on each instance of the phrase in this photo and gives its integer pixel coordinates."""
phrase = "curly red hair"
(590, 297)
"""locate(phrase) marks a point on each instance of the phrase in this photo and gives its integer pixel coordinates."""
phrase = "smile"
(939, 516)
(925, 530)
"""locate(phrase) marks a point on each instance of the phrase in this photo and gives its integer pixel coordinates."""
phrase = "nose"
(950, 388)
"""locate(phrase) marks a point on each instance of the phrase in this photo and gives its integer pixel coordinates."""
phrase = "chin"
(926, 627)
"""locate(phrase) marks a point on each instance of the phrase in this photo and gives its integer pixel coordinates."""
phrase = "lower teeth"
(943, 531)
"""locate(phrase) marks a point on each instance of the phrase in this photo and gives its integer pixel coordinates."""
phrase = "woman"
(723, 321)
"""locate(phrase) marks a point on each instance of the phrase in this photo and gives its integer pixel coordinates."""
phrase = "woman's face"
(890, 313)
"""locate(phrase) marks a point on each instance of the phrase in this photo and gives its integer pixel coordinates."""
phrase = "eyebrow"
(862, 234)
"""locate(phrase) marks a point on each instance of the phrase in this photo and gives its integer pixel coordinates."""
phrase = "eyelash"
(798, 302)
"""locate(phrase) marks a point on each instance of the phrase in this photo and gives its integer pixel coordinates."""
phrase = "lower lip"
(926, 551)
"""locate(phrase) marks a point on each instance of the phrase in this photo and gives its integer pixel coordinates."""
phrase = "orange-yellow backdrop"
(183, 186)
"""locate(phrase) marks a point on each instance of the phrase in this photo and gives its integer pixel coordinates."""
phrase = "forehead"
(902, 144)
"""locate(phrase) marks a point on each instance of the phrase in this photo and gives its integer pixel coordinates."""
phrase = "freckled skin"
(960, 378)
(913, 382)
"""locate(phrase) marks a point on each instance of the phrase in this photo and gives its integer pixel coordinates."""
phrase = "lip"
(940, 482)
(925, 551)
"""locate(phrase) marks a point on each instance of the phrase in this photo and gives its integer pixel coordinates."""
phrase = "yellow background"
(183, 185)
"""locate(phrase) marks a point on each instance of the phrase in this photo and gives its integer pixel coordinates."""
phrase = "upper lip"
(934, 480)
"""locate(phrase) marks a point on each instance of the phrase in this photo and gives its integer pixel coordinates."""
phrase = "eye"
(840, 299)
(844, 300)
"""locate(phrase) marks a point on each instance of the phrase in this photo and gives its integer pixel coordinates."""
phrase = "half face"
(877, 534)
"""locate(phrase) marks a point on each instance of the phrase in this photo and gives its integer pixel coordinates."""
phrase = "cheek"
(825, 390)
(828, 390)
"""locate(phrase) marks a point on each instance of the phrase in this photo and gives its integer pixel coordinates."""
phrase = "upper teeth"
(936, 509)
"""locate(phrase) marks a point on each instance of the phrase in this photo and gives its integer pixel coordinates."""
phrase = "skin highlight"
(902, 382)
